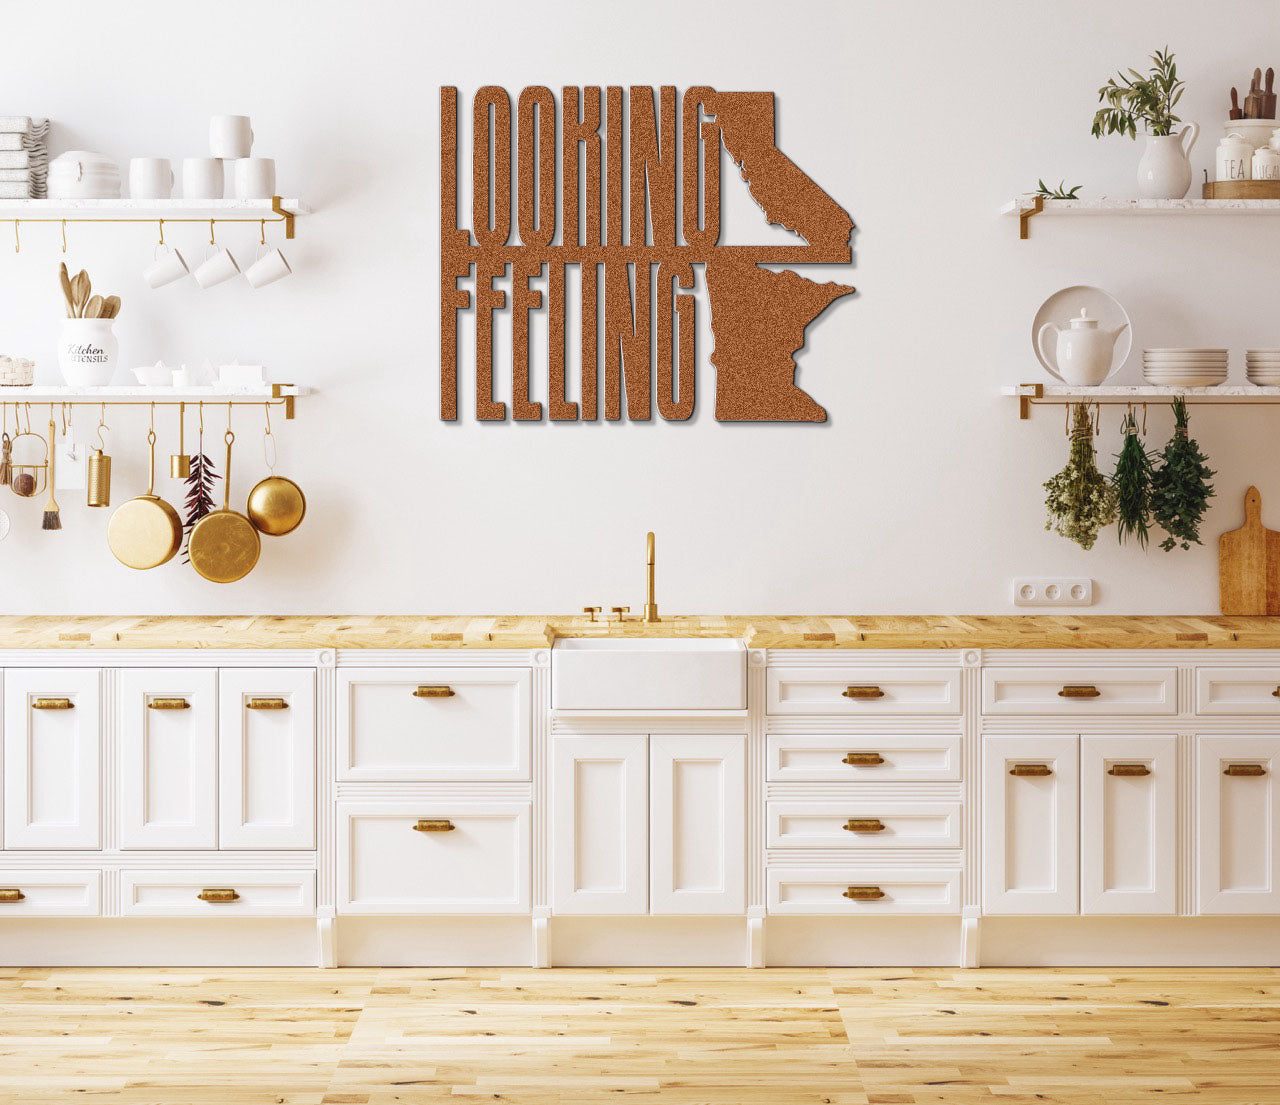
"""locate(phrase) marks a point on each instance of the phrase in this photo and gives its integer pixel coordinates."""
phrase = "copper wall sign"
(758, 316)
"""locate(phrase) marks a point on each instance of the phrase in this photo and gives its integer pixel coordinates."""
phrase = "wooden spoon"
(65, 280)
(93, 309)
(80, 289)
(110, 307)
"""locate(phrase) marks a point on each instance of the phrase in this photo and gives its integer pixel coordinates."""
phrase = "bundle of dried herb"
(1132, 481)
(1080, 501)
(1180, 488)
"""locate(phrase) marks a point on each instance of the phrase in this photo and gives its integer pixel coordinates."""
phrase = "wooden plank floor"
(688, 1037)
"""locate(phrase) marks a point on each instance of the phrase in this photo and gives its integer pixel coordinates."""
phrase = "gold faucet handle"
(592, 610)
(620, 610)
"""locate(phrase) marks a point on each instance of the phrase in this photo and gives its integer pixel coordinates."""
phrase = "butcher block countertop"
(533, 631)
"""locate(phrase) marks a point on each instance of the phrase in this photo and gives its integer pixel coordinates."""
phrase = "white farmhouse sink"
(648, 673)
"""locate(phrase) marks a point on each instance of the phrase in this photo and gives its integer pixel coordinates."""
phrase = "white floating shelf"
(277, 209)
(1033, 395)
(1028, 207)
(136, 395)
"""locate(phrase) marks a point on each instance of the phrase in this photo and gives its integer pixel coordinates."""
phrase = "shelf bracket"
(287, 216)
(277, 391)
(1026, 393)
(1024, 217)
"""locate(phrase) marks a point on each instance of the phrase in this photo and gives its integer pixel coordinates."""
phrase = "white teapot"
(1082, 355)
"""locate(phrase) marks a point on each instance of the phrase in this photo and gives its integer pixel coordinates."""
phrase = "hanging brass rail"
(284, 217)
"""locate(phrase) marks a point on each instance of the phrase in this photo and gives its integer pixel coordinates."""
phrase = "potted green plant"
(1165, 169)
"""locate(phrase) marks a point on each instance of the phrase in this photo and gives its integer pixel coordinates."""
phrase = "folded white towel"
(14, 159)
(11, 190)
(11, 175)
(11, 141)
(16, 124)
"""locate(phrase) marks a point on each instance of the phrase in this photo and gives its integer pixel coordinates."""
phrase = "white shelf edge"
(43, 393)
(145, 209)
(1106, 206)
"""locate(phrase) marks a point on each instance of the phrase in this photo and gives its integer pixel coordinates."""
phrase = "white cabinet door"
(1128, 824)
(600, 825)
(52, 758)
(697, 824)
(267, 723)
(168, 747)
(1238, 827)
(1031, 825)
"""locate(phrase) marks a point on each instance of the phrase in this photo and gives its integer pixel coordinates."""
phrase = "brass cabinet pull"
(11, 894)
(864, 893)
(218, 894)
(1276, 693)
(862, 759)
(434, 825)
(433, 692)
(168, 704)
(1250, 770)
(1079, 690)
(266, 704)
(1122, 770)
(864, 825)
(870, 691)
(1033, 771)
(53, 704)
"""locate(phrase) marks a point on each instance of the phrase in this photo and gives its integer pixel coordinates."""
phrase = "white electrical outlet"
(1052, 591)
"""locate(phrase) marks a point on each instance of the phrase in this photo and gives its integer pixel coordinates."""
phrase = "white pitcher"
(1164, 173)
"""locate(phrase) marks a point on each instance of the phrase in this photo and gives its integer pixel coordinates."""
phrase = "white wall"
(922, 494)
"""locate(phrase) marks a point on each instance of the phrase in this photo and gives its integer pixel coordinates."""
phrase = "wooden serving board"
(1242, 189)
(1249, 564)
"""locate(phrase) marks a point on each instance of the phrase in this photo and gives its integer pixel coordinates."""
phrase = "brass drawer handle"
(1079, 690)
(864, 893)
(1128, 770)
(863, 759)
(168, 704)
(218, 894)
(11, 894)
(266, 704)
(870, 691)
(1032, 771)
(433, 692)
(1276, 693)
(53, 704)
(434, 825)
(1248, 770)
(864, 825)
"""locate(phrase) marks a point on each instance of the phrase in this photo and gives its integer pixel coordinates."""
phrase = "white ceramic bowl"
(154, 376)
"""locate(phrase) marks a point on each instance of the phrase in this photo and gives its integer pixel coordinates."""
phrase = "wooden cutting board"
(1249, 564)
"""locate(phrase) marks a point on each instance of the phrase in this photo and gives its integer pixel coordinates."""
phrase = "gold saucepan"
(145, 532)
(223, 545)
(276, 505)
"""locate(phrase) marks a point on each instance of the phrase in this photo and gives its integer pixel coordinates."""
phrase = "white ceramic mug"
(255, 178)
(165, 269)
(201, 178)
(150, 178)
(230, 136)
(267, 269)
(216, 268)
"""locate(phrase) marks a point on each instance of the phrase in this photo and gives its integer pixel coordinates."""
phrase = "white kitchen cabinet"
(52, 758)
(168, 757)
(863, 691)
(267, 752)
(1128, 824)
(863, 758)
(50, 893)
(1031, 825)
(860, 823)
(600, 824)
(217, 893)
(1238, 824)
(697, 846)
(1079, 691)
(434, 724)
(863, 889)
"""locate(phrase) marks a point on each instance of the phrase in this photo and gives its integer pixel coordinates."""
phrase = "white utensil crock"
(1164, 173)
(87, 351)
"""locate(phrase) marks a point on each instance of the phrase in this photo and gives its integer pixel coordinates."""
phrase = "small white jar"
(1266, 164)
(1234, 158)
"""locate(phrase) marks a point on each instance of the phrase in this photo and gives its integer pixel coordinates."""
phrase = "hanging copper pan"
(145, 532)
(224, 546)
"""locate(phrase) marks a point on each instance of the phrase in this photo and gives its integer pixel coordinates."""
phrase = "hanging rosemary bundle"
(199, 501)
(1132, 481)
(1080, 501)
(1180, 490)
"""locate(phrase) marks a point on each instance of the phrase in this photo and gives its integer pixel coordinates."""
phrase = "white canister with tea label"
(1266, 164)
(1233, 158)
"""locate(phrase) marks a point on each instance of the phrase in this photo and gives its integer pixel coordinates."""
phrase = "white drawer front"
(480, 865)
(237, 893)
(50, 894)
(825, 889)
(863, 823)
(862, 758)
(1079, 692)
(434, 724)
(1238, 691)
(1238, 824)
(863, 692)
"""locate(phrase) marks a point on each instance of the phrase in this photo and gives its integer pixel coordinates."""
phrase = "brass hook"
(202, 416)
(1144, 420)
(102, 425)
(160, 224)
(153, 418)
(211, 238)
(268, 441)
(27, 412)
(64, 235)
(228, 416)
(1066, 419)
(262, 232)
(17, 239)
(67, 419)
(1097, 419)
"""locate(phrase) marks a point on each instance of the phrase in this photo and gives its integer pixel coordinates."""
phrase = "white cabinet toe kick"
(434, 807)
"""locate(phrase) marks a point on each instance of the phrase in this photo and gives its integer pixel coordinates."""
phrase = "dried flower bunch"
(1132, 481)
(1180, 487)
(1080, 500)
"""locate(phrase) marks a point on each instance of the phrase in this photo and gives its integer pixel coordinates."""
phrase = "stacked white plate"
(1262, 367)
(1184, 367)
